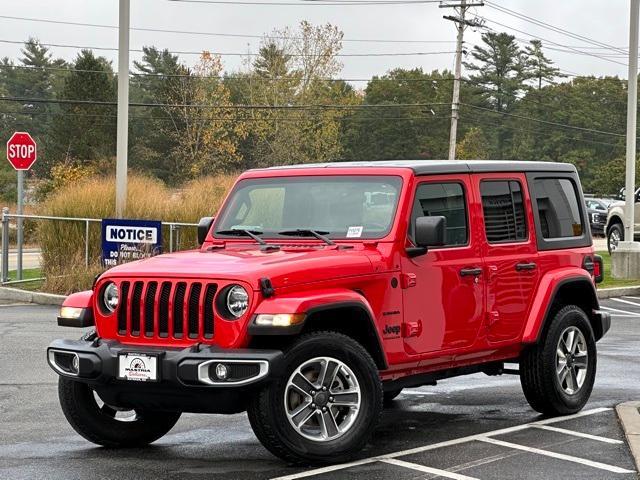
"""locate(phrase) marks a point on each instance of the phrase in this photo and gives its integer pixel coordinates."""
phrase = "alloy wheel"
(571, 360)
(322, 399)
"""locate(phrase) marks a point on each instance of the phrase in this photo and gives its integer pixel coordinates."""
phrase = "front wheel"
(325, 404)
(558, 373)
(108, 425)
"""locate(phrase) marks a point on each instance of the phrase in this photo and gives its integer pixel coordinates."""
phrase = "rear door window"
(503, 208)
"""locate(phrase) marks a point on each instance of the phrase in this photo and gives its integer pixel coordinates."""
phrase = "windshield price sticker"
(354, 232)
(127, 240)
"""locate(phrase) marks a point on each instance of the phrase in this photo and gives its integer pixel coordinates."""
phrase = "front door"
(443, 289)
(509, 251)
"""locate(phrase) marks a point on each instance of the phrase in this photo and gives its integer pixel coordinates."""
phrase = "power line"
(236, 54)
(553, 28)
(230, 119)
(546, 122)
(224, 77)
(211, 34)
(225, 107)
(481, 120)
(574, 50)
(315, 3)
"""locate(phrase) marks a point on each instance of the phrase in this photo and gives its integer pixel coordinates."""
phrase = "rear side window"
(504, 217)
(447, 200)
(558, 208)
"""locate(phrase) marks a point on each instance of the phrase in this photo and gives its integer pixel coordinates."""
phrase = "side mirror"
(204, 225)
(429, 232)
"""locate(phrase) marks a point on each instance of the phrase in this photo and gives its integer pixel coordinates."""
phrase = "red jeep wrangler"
(321, 291)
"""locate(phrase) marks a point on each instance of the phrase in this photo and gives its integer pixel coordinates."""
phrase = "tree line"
(288, 105)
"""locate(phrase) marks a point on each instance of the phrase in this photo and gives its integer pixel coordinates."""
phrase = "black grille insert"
(122, 308)
(178, 309)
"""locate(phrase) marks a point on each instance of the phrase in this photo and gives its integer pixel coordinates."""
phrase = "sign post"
(22, 153)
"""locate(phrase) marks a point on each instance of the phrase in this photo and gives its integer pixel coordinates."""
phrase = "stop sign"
(21, 151)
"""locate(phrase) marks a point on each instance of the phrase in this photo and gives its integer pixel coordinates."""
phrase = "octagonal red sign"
(22, 151)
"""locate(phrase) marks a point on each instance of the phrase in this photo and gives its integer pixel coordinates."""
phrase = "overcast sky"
(604, 21)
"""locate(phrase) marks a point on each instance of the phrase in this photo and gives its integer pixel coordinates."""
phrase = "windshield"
(337, 206)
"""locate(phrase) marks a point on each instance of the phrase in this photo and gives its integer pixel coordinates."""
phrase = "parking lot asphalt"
(469, 427)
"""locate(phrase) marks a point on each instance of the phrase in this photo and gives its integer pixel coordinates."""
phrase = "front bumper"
(186, 377)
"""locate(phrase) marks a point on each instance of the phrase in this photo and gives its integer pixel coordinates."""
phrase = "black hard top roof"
(428, 167)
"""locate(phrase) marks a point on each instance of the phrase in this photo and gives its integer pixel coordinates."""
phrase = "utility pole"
(461, 23)
(123, 108)
(632, 106)
(625, 260)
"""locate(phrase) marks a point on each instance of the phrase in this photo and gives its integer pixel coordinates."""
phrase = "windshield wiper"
(249, 233)
(306, 232)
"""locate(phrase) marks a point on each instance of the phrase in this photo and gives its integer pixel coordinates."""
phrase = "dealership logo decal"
(137, 368)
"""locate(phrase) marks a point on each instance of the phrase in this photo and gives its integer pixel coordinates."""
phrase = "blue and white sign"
(127, 240)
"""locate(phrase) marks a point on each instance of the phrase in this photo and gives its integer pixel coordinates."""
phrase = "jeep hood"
(284, 267)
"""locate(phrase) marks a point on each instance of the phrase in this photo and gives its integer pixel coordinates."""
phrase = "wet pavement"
(468, 427)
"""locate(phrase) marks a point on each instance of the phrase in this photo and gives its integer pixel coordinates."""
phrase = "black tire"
(269, 420)
(540, 383)
(390, 396)
(98, 426)
(616, 230)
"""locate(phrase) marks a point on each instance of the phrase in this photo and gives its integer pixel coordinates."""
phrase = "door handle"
(470, 272)
(520, 267)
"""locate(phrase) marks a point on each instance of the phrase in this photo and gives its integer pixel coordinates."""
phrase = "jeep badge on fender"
(319, 292)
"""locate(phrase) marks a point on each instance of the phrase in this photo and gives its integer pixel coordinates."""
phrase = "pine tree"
(498, 70)
(537, 66)
(88, 131)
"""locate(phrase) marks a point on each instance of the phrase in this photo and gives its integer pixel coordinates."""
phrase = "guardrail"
(174, 229)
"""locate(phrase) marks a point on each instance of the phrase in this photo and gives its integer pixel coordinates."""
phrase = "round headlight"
(110, 297)
(237, 301)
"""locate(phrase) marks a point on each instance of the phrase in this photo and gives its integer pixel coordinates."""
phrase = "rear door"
(509, 251)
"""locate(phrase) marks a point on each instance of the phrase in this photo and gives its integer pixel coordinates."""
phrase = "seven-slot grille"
(166, 309)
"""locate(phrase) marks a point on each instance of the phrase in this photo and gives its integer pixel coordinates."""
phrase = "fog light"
(75, 364)
(279, 319)
(221, 371)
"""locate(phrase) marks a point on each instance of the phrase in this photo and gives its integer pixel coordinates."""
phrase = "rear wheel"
(109, 425)
(615, 235)
(324, 406)
(558, 373)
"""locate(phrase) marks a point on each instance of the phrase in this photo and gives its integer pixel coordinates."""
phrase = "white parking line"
(422, 468)
(629, 296)
(628, 302)
(433, 446)
(417, 392)
(560, 456)
(578, 434)
(625, 312)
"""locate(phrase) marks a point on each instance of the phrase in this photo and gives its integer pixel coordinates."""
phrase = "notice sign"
(127, 240)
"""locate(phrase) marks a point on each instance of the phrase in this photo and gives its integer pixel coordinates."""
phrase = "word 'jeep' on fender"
(319, 292)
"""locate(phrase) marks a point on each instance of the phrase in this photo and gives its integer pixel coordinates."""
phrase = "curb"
(17, 295)
(617, 292)
(629, 415)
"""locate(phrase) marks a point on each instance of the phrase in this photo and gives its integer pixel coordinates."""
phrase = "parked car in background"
(597, 212)
(615, 221)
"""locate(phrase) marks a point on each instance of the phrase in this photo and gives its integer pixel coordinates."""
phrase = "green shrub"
(63, 242)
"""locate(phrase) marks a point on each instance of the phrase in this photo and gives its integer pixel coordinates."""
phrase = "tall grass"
(63, 243)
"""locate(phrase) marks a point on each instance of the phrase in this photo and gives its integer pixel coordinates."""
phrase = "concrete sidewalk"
(629, 415)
